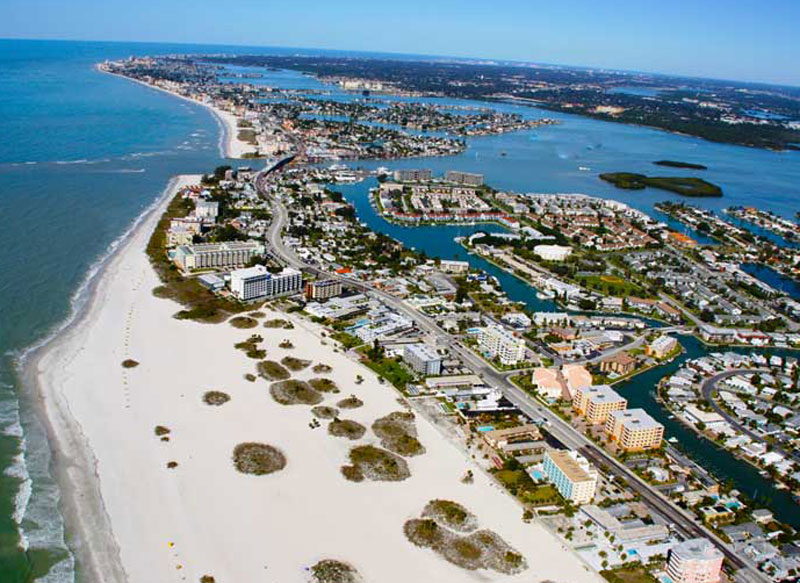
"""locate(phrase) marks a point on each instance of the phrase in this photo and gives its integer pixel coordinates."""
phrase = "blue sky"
(730, 39)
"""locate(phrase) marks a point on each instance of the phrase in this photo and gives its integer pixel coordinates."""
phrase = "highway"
(680, 520)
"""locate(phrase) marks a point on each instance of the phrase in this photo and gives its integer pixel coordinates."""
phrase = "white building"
(453, 266)
(466, 178)
(258, 282)
(423, 359)
(571, 474)
(553, 252)
(206, 209)
(498, 342)
(216, 255)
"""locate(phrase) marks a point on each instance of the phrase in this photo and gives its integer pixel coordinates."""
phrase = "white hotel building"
(216, 255)
(258, 282)
(498, 342)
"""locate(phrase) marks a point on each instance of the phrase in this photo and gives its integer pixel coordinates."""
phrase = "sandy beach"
(134, 519)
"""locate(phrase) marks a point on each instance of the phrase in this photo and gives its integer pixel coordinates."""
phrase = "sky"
(723, 39)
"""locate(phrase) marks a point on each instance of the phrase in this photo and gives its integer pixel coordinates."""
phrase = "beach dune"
(136, 519)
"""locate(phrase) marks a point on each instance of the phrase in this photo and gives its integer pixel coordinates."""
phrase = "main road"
(679, 519)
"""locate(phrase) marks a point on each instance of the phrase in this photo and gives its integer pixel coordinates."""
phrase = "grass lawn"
(612, 285)
(390, 369)
(348, 340)
(628, 575)
(541, 495)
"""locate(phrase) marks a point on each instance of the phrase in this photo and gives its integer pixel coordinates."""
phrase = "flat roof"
(602, 393)
(636, 419)
(569, 466)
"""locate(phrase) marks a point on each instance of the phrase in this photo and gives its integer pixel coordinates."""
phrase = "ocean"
(84, 154)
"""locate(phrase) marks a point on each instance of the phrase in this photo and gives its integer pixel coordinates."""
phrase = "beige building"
(634, 430)
(547, 383)
(661, 346)
(576, 376)
(596, 403)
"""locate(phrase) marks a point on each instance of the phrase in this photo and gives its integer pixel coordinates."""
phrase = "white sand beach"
(205, 518)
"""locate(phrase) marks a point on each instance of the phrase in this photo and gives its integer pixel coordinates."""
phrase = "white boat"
(584, 169)
(545, 295)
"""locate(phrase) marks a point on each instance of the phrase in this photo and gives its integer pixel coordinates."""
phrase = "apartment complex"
(466, 178)
(661, 346)
(596, 403)
(409, 175)
(634, 430)
(216, 255)
(499, 343)
(571, 474)
(323, 289)
(695, 560)
(454, 266)
(620, 364)
(423, 359)
(258, 282)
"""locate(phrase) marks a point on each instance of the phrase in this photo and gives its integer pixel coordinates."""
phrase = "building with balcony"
(634, 430)
(571, 474)
(596, 403)
(695, 560)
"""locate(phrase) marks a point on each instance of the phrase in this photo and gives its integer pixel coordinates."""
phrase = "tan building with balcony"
(597, 403)
(634, 430)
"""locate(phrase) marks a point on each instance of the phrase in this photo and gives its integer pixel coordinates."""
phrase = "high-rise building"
(634, 430)
(695, 560)
(258, 282)
(323, 289)
(465, 178)
(596, 403)
(216, 255)
(571, 474)
(499, 343)
(413, 175)
(423, 359)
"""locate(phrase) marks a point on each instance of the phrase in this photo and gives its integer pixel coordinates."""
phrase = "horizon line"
(425, 56)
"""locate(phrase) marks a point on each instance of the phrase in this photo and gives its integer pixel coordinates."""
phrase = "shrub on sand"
(258, 459)
(216, 398)
(129, 363)
(243, 322)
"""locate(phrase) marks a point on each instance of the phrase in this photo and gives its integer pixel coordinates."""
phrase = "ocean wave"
(64, 162)
(37, 513)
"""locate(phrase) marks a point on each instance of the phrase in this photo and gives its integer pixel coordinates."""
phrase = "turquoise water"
(84, 154)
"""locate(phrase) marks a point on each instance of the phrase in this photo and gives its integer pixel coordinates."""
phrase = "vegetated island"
(678, 164)
(683, 185)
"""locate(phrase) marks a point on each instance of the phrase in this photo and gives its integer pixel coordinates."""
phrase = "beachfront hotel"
(634, 430)
(571, 474)
(499, 343)
(694, 561)
(596, 403)
(422, 359)
(258, 282)
(216, 255)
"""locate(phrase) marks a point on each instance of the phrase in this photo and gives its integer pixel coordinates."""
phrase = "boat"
(673, 440)
(584, 169)
(545, 295)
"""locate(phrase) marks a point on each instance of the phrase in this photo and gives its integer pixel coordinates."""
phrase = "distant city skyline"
(742, 40)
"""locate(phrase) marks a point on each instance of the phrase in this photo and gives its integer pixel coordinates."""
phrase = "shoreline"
(88, 532)
(229, 145)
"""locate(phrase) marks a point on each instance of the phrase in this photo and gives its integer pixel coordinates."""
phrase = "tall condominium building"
(695, 560)
(634, 430)
(258, 282)
(206, 209)
(323, 289)
(466, 178)
(498, 342)
(571, 474)
(423, 359)
(216, 255)
(596, 403)
(408, 175)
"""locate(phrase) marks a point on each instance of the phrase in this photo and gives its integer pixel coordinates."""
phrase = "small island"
(683, 185)
(677, 164)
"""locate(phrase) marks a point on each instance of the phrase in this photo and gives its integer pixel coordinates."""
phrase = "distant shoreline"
(229, 144)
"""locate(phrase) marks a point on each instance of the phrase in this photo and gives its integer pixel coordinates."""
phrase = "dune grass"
(258, 459)
(346, 428)
(324, 385)
(294, 392)
(398, 433)
(451, 514)
(295, 364)
(243, 322)
(376, 464)
(331, 571)
(216, 398)
(272, 371)
(351, 402)
(323, 412)
(322, 368)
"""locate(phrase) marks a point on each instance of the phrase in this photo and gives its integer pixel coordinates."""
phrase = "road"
(680, 520)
